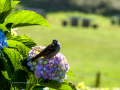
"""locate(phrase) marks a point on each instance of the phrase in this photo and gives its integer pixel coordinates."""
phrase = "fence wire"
(105, 77)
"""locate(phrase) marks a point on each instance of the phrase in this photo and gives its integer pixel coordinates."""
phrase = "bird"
(50, 51)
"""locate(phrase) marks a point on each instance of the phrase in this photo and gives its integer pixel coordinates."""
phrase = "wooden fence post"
(98, 76)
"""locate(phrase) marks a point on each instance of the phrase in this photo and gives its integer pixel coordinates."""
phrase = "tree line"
(104, 7)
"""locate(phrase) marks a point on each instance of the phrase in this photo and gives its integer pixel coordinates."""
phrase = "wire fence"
(102, 76)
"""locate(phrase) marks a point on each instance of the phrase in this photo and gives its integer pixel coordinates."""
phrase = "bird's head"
(55, 42)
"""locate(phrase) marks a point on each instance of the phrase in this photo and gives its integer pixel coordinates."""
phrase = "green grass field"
(87, 50)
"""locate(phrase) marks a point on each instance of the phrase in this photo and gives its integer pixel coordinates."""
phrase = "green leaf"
(4, 65)
(2, 27)
(41, 88)
(71, 85)
(32, 82)
(5, 9)
(13, 57)
(4, 83)
(25, 18)
(27, 71)
(19, 79)
(70, 73)
(23, 39)
(4, 55)
(5, 5)
(57, 85)
(21, 48)
(13, 43)
(14, 3)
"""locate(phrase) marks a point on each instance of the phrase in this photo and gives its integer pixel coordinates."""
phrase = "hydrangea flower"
(52, 69)
(3, 40)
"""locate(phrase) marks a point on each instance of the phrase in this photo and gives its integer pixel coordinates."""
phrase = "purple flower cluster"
(52, 69)
(3, 40)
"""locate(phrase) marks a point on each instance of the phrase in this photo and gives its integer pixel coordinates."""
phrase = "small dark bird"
(50, 51)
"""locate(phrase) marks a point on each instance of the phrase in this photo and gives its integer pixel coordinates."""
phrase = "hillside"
(87, 50)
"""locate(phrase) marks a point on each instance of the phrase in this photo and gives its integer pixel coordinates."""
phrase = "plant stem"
(32, 85)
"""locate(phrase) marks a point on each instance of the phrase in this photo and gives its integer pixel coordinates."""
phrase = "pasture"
(87, 50)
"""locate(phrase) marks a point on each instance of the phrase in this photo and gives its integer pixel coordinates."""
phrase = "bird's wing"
(49, 49)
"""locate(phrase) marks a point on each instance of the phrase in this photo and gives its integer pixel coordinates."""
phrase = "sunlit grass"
(87, 50)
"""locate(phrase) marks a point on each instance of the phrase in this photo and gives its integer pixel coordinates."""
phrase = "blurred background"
(89, 32)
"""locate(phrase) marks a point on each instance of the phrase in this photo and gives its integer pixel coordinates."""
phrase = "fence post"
(98, 76)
